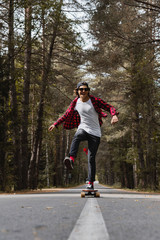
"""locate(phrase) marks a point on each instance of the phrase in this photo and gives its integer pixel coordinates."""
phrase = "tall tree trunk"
(26, 90)
(62, 156)
(151, 150)
(4, 94)
(32, 173)
(135, 103)
(135, 177)
(47, 165)
(143, 180)
(14, 105)
(151, 159)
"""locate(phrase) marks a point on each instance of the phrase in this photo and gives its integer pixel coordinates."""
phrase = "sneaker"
(90, 186)
(68, 163)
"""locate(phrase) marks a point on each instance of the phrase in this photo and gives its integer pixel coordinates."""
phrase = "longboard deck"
(89, 192)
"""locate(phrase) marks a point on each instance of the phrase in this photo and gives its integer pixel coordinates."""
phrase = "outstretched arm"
(110, 109)
(63, 118)
(102, 104)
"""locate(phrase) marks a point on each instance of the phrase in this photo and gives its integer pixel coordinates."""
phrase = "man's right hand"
(51, 127)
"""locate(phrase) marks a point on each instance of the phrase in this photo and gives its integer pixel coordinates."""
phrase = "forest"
(46, 48)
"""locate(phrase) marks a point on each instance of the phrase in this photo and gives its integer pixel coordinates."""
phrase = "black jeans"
(93, 143)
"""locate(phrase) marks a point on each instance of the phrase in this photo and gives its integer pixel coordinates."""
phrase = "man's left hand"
(114, 119)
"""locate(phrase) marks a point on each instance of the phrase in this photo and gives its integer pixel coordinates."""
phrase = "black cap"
(81, 84)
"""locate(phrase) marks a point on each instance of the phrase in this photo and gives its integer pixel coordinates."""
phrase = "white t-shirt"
(88, 117)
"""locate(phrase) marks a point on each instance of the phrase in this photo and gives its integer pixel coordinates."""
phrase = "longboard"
(87, 192)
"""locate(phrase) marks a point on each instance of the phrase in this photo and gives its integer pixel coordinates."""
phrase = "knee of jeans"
(91, 160)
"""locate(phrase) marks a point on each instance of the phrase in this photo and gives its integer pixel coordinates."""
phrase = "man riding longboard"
(85, 113)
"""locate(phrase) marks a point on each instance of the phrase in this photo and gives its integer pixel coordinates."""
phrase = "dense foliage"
(41, 60)
(126, 63)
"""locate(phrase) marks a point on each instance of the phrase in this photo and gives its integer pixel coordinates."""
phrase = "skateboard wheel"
(97, 194)
(82, 194)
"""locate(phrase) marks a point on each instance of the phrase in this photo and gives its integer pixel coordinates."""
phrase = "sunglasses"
(83, 89)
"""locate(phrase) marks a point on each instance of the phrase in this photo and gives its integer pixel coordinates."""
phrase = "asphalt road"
(64, 215)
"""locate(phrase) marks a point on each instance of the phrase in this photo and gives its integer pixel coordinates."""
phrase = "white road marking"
(90, 224)
(71, 195)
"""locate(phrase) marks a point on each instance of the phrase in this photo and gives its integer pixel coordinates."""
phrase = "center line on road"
(90, 224)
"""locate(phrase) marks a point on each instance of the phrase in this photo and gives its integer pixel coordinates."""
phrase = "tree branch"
(148, 4)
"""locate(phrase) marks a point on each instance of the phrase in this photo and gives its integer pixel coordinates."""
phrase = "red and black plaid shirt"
(71, 118)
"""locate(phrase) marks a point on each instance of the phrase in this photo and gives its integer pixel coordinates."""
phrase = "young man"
(85, 113)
